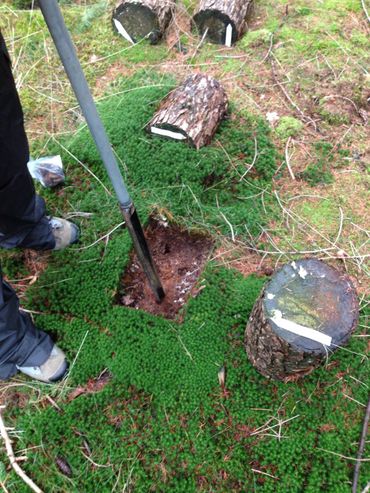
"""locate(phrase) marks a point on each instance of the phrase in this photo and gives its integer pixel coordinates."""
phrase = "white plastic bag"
(47, 170)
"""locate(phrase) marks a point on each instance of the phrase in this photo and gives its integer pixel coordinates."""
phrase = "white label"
(229, 35)
(300, 330)
(302, 272)
(168, 133)
(122, 31)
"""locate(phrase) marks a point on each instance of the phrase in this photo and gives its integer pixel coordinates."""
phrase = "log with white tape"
(306, 312)
(192, 112)
(222, 21)
(138, 19)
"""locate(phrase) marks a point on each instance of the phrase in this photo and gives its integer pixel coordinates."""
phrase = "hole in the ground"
(179, 257)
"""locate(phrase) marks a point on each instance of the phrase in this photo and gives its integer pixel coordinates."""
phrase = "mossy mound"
(193, 186)
(288, 127)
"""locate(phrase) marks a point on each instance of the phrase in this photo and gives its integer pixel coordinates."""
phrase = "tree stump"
(137, 19)
(192, 112)
(222, 21)
(306, 311)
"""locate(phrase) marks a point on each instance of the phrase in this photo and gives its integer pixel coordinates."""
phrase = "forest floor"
(286, 177)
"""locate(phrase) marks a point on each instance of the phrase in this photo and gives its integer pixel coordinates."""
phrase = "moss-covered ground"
(142, 409)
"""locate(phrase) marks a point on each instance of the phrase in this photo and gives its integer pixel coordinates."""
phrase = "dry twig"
(361, 448)
(305, 118)
(226, 221)
(287, 159)
(107, 235)
(365, 10)
(12, 458)
(200, 44)
(253, 162)
(367, 488)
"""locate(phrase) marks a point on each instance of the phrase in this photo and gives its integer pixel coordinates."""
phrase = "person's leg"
(21, 344)
(23, 222)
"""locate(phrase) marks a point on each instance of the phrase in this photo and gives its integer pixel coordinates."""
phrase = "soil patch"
(179, 257)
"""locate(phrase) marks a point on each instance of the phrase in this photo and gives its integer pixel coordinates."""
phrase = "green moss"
(163, 420)
(194, 186)
(91, 14)
(24, 4)
(257, 37)
(322, 214)
(304, 11)
(334, 118)
(319, 171)
(288, 127)
(162, 423)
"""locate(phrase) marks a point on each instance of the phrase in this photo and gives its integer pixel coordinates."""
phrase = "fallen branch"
(12, 458)
(361, 448)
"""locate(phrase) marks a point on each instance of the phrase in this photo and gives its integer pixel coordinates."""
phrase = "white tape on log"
(301, 271)
(229, 35)
(167, 133)
(300, 330)
(122, 31)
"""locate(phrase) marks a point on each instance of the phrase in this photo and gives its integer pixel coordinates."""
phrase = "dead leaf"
(63, 466)
(93, 385)
(222, 376)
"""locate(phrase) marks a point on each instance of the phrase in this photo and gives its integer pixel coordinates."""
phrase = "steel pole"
(65, 47)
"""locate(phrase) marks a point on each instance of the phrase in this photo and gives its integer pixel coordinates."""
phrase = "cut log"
(192, 112)
(223, 21)
(138, 19)
(306, 312)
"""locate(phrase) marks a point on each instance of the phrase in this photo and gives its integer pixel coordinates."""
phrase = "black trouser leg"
(20, 342)
(22, 223)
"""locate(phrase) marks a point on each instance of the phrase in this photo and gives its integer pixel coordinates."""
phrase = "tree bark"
(214, 16)
(137, 19)
(306, 311)
(192, 112)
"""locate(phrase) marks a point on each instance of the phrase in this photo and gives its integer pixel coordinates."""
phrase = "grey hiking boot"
(64, 232)
(54, 368)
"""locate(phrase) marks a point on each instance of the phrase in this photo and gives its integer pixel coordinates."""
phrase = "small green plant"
(288, 127)
(319, 172)
(91, 14)
(25, 4)
(2, 472)
(333, 117)
(255, 38)
(304, 11)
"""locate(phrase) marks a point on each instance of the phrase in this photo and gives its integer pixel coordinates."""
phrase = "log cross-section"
(191, 112)
(305, 313)
(138, 19)
(222, 21)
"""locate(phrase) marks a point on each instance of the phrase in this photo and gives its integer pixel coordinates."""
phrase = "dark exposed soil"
(179, 257)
